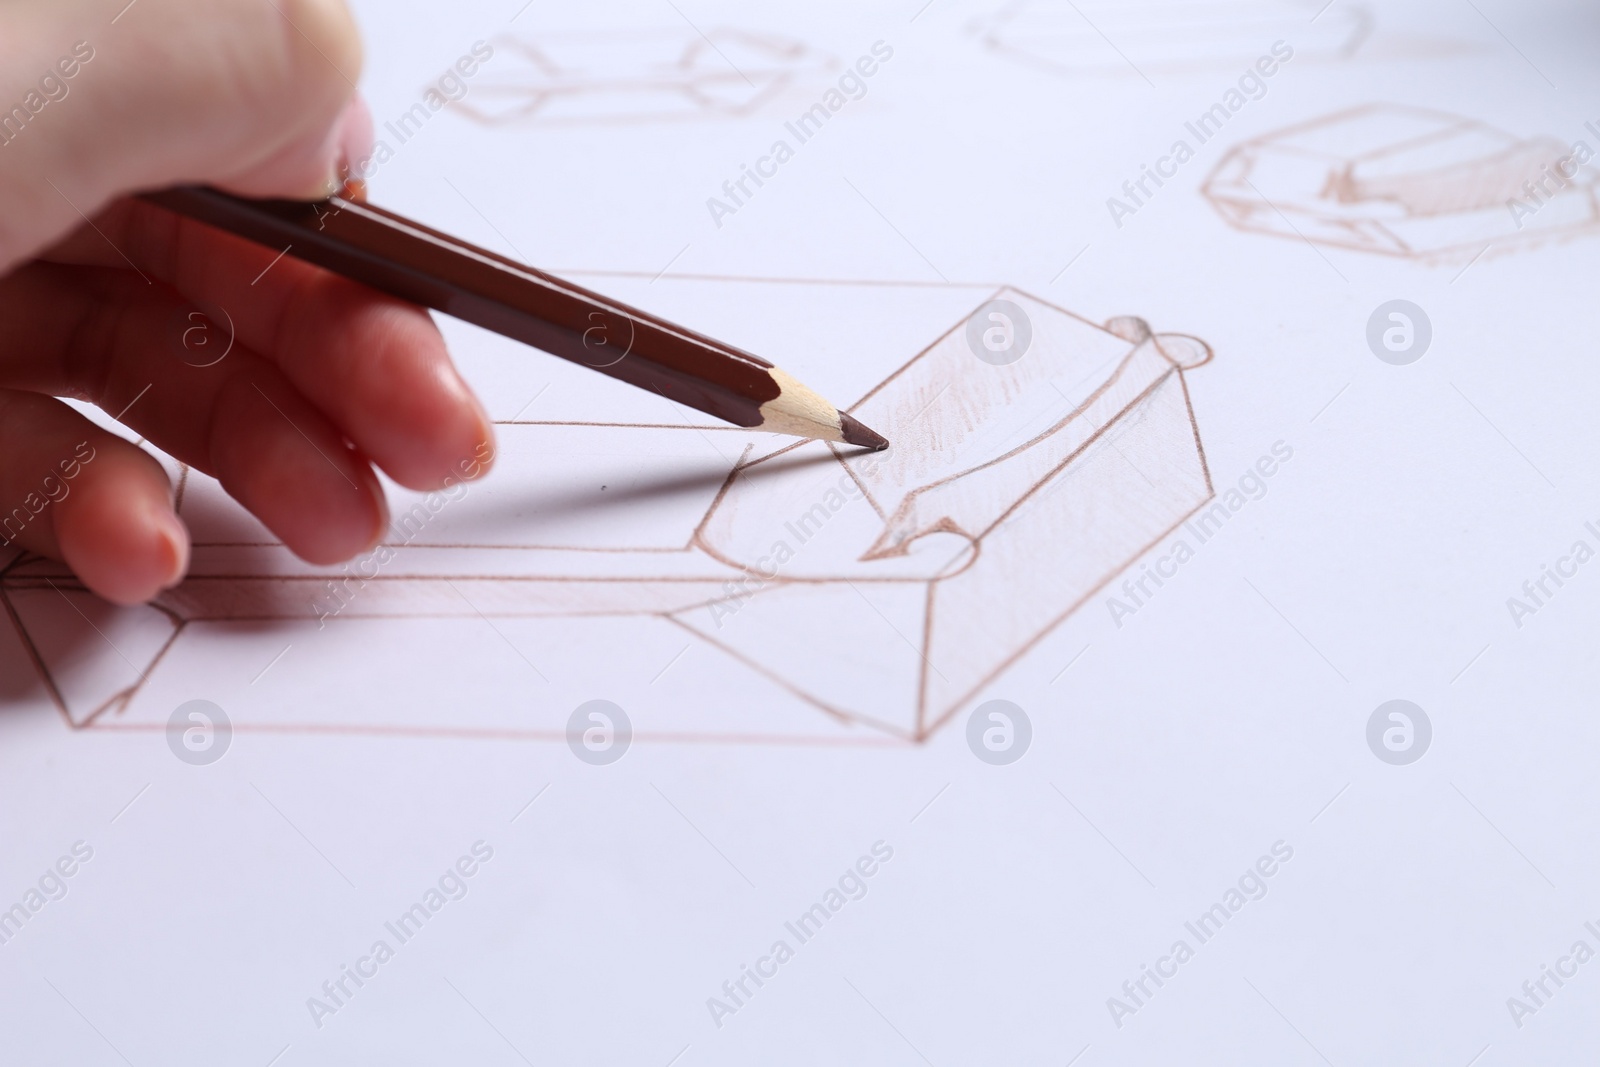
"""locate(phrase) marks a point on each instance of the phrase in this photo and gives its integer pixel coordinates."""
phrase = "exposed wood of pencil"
(406, 259)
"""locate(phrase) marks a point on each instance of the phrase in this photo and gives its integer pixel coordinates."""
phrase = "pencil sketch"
(1013, 492)
(638, 75)
(1405, 181)
(1121, 38)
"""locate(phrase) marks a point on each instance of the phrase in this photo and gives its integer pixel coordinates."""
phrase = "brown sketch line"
(924, 667)
(675, 88)
(920, 727)
(961, 324)
(967, 554)
(543, 98)
(843, 716)
(183, 483)
(1111, 573)
(1080, 450)
(1173, 368)
(923, 729)
(722, 491)
(721, 426)
(686, 547)
(413, 545)
(465, 576)
(44, 672)
(1450, 125)
(119, 699)
(977, 538)
(1307, 125)
(494, 734)
(409, 616)
(1199, 446)
(1111, 576)
(1050, 432)
(1159, 337)
(1116, 374)
(719, 555)
(527, 579)
(1447, 204)
(838, 455)
(720, 598)
(696, 538)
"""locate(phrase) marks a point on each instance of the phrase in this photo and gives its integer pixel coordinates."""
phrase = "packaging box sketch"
(637, 75)
(1010, 495)
(1403, 181)
(1159, 35)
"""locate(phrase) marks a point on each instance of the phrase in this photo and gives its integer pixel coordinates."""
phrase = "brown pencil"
(392, 254)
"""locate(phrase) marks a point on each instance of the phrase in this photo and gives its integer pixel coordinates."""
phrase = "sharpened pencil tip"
(854, 433)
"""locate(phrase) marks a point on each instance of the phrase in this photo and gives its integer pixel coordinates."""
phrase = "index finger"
(376, 366)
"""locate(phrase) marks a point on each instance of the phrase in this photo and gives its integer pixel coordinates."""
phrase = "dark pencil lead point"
(855, 433)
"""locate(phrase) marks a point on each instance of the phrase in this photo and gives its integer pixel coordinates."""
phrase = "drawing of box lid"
(1013, 492)
(636, 75)
(1404, 181)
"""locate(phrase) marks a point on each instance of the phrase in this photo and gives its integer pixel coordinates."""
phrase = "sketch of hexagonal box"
(637, 75)
(1404, 181)
(911, 579)
(1132, 37)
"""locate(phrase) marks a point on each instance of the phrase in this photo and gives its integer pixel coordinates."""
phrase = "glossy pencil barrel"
(405, 259)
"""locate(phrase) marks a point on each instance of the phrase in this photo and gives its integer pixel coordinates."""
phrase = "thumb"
(98, 100)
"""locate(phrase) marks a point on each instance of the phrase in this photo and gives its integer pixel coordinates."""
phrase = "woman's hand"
(127, 306)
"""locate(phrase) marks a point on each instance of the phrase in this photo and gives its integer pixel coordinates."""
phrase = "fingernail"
(174, 537)
(382, 518)
(483, 455)
(353, 143)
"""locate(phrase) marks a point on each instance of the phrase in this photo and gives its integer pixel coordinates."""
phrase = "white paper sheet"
(661, 704)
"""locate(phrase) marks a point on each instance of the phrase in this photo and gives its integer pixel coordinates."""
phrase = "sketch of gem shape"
(881, 590)
(1160, 35)
(1404, 181)
(637, 75)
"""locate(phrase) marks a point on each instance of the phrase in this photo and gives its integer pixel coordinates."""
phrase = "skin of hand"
(100, 296)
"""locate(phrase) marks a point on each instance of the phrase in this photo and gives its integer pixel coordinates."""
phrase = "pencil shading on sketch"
(638, 75)
(1406, 181)
(1014, 491)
